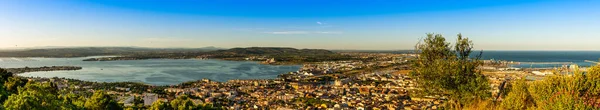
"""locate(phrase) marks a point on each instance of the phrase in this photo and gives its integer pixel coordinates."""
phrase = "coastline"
(44, 68)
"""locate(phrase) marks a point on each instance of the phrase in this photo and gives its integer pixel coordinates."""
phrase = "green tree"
(4, 76)
(101, 101)
(578, 91)
(34, 96)
(160, 105)
(207, 107)
(451, 73)
(3, 95)
(13, 83)
(592, 82)
(72, 101)
(182, 103)
(518, 97)
(566, 92)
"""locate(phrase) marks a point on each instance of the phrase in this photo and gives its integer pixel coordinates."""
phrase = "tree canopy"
(4, 76)
(34, 96)
(441, 69)
(182, 103)
(101, 101)
(13, 83)
(578, 91)
(160, 105)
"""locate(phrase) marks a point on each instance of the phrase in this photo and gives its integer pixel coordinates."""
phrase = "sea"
(543, 59)
(154, 71)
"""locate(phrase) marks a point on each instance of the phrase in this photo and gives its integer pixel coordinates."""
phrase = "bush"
(578, 91)
(518, 98)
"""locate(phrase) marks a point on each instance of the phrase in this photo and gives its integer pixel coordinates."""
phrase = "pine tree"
(160, 105)
(182, 103)
(13, 83)
(34, 96)
(101, 101)
(439, 70)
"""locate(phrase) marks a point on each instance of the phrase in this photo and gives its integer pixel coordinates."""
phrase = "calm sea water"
(157, 72)
(544, 59)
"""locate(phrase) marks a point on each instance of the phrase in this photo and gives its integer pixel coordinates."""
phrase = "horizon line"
(474, 50)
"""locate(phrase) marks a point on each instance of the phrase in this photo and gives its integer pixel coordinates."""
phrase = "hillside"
(274, 50)
(96, 51)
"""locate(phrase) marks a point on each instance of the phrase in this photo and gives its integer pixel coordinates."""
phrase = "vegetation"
(440, 70)
(311, 101)
(303, 58)
(36, 96)
(101, 101)
(181, 103)
(33, 95)
(281, 55)
(97, 51)
(273, 50)
(20, 94)
(518, 97)
(12, 84)
(159, 105)
(579, 91)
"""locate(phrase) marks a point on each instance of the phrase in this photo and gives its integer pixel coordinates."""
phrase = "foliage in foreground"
(440, 70)
(34, 96)
(181, 103)
(19, 94)
(579, 91)
(101, 101)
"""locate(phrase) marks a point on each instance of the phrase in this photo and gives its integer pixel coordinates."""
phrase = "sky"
(320, 24)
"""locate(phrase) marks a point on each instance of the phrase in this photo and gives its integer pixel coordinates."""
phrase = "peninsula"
(45, 68)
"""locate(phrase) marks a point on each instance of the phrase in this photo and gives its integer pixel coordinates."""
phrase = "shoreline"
(41, 69)
(224, 59)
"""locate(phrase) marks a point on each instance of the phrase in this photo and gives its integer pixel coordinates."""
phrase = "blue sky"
(332, 24)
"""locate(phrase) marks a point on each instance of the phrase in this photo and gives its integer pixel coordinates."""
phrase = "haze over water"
(156, 72)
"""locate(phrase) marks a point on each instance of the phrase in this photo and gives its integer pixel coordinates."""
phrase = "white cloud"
(319, 23)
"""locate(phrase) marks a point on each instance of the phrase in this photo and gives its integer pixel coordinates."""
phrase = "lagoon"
(154, 71)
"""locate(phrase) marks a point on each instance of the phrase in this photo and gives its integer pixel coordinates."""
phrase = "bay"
(544, 59)
(154, 71)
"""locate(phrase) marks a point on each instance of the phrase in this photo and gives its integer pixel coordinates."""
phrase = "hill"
(281, 55)
(96, 51)
(274, 50)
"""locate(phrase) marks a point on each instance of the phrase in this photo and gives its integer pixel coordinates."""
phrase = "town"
(374, 81)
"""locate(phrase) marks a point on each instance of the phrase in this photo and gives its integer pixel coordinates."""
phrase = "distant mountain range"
(100, 51)
(95, 51)
(132, 47)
